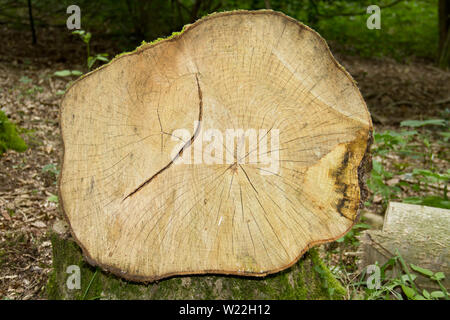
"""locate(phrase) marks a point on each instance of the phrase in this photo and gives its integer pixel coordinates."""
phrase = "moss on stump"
(309, 278)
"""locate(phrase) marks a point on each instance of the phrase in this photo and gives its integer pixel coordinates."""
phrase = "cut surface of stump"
(230, 148)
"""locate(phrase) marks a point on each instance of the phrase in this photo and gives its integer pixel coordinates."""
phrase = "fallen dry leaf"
(39, 224)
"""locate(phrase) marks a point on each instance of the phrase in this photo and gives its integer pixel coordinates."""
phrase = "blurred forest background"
(410, 28)
(401, 70)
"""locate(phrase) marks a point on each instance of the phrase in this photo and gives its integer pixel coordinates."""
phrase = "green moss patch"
(9, 137)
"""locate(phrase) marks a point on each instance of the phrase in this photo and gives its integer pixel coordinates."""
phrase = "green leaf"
(421, 123)
(49, 168)
(423, 271)
(90, 62)
(377, 166)
(431, 201)
(63, 73)
(446, 135)
(79, 32)
(361, 226)
(76, 73)
(431, 174)
(405, 277)
(437, 294)
(438, 276)
(426, 294)
(87, 37)
(53, 198)
(409, 292)
(101, 58)
(25, 80)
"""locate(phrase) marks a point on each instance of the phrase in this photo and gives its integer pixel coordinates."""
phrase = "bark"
(307, 279)
(444, 34)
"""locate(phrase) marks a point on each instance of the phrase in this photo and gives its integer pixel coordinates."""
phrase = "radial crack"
(194, 136)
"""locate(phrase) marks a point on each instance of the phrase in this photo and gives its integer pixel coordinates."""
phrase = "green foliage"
(67, 73)
(25, 80)
(426, 178)
(421, 123)
(407, 29)
(9, 137)
(431, 201)
(388, 141)
(51, 168)
(85, 36)
(98, 57)
(411, 146)
(91, 59)
(53, 198)
(28, 88)
(377, 182)
(351, 236)
(404, 280)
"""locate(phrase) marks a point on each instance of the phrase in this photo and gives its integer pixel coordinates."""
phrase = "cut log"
(420, 234)
(231, 148)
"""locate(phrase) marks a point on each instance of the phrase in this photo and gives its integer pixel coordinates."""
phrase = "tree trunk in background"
(444, 35)
(30, 15)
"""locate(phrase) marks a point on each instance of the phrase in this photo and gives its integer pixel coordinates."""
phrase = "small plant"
(53, 198)
(51, 168)
(29, 89)
(50, 174)
(91, 59)
(424, 139)
(25, 80)
(351, 236)
(426, 179)
(388, 141)
(403, 285)
(404, 146)
(377, 183)
(67, 73)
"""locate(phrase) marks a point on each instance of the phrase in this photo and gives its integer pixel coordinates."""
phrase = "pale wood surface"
(137, 214)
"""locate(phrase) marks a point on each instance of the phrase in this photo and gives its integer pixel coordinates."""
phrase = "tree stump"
(230, 148)
(308, 279)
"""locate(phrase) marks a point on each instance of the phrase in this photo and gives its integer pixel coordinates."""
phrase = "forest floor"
(29, 96)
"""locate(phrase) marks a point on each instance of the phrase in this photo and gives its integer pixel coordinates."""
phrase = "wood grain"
(137, 214)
